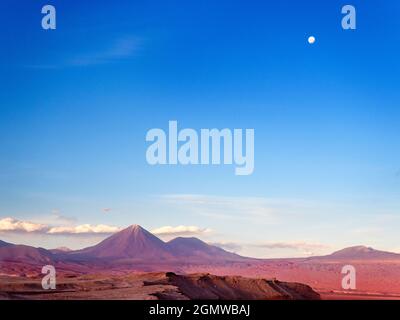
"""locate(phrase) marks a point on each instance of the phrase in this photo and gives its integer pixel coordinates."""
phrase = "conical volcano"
(132, 242)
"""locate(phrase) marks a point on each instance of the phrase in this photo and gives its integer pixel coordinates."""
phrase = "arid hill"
(362, 253)
(195, 249)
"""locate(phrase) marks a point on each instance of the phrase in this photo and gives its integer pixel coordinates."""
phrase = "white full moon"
(311, 40)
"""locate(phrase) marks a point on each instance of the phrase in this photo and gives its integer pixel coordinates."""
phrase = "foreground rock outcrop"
(211, 287)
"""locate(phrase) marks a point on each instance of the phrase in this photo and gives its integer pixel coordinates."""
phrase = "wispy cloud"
(119, 49)
(62, 219)
(266, 210)
(301, 246)
(230, 246)
(180, 231)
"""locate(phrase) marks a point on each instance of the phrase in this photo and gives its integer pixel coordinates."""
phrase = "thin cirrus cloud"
(307, 248)
(230, 246)
(276, 249)
(259, 209)
(121, 49)
(180, 231)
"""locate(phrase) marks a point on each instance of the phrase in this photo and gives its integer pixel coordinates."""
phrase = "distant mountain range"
(133, 244)
(137, 246)
(26, 254)
(362, 253)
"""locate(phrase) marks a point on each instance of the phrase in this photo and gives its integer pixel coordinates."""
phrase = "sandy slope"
(154, 286)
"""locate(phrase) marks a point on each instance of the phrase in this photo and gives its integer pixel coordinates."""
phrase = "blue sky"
(76, 103)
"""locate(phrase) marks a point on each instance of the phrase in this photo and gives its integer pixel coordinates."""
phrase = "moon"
(311, 39)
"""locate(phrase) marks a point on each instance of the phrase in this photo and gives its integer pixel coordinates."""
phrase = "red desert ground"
(135, 264)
